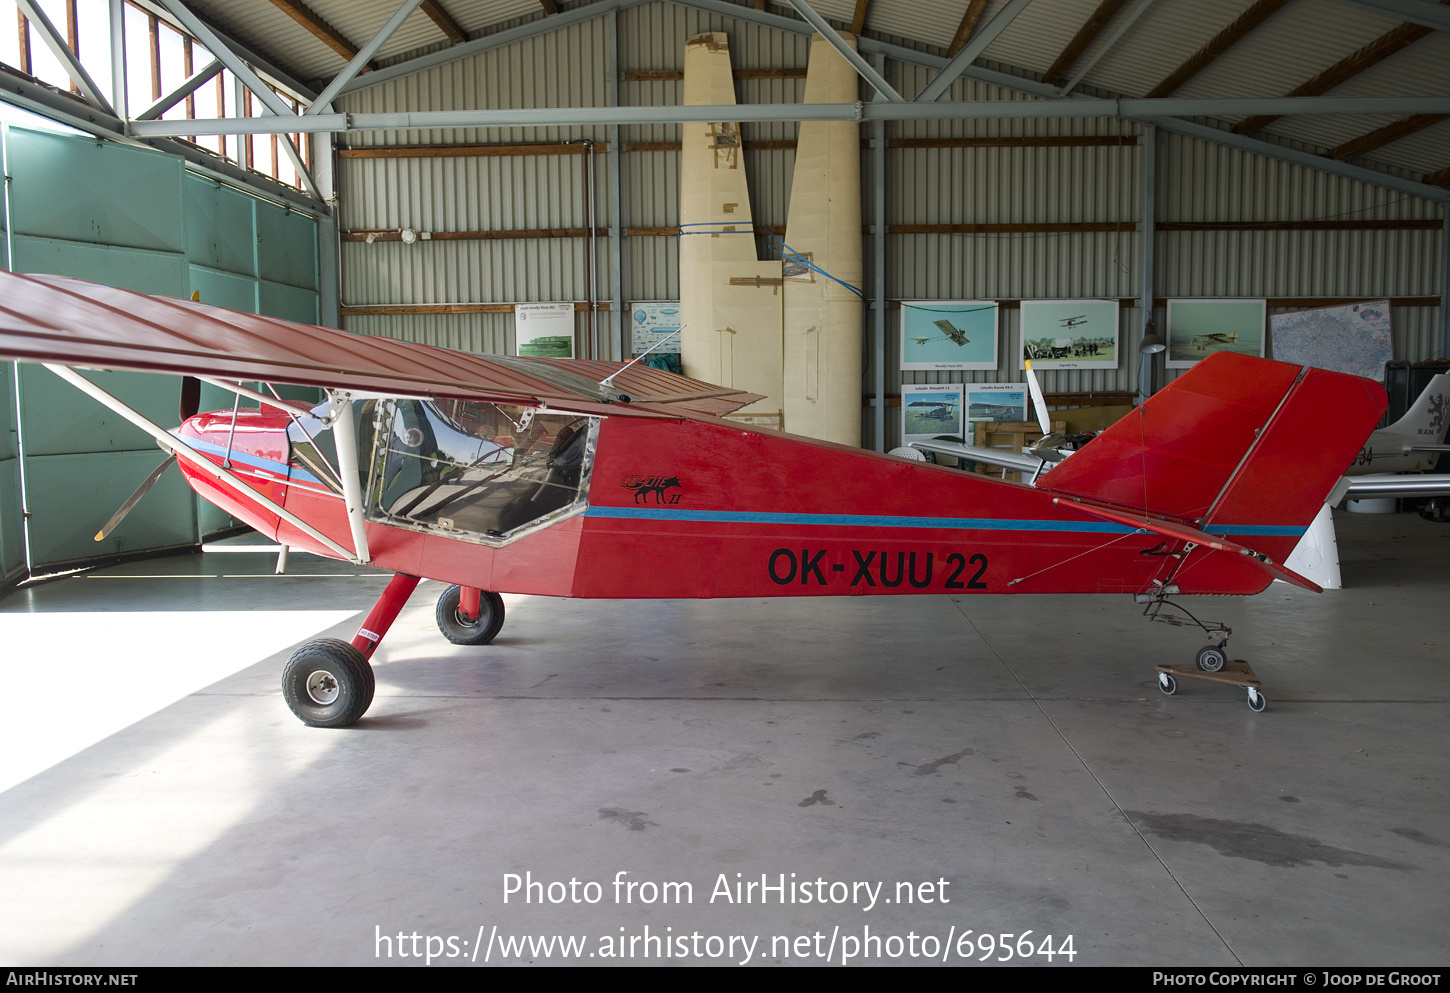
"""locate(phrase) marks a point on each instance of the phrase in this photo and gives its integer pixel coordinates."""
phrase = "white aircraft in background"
(1414, 442)
(1394, 462)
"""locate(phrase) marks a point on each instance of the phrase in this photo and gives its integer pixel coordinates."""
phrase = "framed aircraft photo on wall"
(997, 401)
(948, 334)
(1069, 334)
(930, 410)
(1198, 328)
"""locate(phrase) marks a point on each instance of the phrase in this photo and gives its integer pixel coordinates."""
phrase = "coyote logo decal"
(643, 486)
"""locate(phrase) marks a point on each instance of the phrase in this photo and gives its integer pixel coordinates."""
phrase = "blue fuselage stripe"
(884, 521)
(296, 472)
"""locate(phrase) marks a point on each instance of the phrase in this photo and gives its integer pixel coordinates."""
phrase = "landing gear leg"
(329, 683)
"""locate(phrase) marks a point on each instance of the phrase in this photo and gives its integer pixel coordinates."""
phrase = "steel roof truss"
(190, 86)
(364, 55)
(971, 50)
(848, 53)
(66, 57)
(208, 38)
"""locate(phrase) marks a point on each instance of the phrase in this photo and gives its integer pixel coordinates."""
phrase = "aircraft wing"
(645, 384)
(1403, 485)
(1182, 532)
(75, 323)
(1004, 457)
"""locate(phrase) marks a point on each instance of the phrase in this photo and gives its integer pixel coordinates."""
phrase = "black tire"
(459, 631)
(1257, 701)
(1211, 658)
(328, 684)
(1167, 683)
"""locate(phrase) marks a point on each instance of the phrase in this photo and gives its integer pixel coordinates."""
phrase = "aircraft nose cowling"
(258, 439)
(253, 445)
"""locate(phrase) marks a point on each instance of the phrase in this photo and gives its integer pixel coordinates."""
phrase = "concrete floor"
(163, 806)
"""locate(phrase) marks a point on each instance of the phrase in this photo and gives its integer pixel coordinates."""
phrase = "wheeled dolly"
(1232, 673)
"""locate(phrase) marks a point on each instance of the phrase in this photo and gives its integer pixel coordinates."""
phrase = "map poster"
(654, 325)
(949, 334)
(1352, 338)
(930, 411)
(1070, 334)
(1198, 328)
(544, 330)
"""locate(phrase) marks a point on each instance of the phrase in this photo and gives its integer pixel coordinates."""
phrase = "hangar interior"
(415, 171)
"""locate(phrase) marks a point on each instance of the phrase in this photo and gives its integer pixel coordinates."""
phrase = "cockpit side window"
(480, 471)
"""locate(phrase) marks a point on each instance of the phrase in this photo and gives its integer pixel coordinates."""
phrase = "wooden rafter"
(1057, 72)
(968, 25)
(858, 20)
(1380, 137)
(24, 66)
(153, 26)
(1441, 178)
(1220, 43)
(320, 29)
(1347, 68)
(72, 35)
(446, 24)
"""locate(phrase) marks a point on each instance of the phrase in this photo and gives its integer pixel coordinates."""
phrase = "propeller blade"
(190, 397)
(135, 498)
(1037, 401)
(190, 385)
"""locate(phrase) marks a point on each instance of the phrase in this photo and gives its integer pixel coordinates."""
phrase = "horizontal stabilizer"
(1182, 532)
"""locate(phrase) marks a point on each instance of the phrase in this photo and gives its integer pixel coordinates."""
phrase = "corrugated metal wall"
(1000, 179)
(1204, 182)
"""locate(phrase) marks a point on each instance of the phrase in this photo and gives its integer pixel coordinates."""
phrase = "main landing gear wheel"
(1257, 700)
(457, 629)
(1167, 683)
(328, 684)
(1211, 658)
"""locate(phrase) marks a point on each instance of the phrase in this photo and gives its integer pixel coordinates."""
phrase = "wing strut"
(173, 444)
(346, 434)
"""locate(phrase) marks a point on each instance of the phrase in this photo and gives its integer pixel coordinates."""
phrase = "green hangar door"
(136, 219)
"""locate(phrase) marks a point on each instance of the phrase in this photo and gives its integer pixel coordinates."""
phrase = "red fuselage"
(703, 507)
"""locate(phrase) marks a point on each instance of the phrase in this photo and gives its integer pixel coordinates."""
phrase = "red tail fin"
(1235, 446)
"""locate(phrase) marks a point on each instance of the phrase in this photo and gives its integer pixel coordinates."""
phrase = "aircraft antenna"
(608, 381)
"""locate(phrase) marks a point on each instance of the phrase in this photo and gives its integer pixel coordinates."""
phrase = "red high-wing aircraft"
(592, 479)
